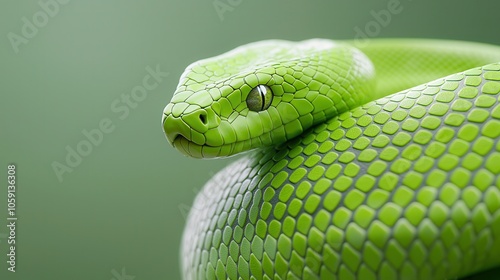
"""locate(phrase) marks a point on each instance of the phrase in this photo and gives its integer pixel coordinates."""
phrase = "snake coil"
(378, 162)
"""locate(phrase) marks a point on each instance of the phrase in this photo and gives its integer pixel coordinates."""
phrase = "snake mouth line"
(182, 144)
(179, 138)
(192, 149)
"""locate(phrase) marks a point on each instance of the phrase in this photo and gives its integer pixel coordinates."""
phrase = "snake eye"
(259, 98)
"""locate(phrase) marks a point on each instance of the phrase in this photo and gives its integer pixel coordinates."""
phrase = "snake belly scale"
(374, 162)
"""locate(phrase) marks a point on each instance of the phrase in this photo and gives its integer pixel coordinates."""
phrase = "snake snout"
(175, 129)
(189, 125)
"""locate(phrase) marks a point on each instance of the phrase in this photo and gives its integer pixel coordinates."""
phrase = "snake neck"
(402, 64)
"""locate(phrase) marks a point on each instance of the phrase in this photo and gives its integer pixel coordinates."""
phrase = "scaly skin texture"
(347, 184)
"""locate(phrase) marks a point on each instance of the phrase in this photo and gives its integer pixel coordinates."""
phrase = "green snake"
(378, 161)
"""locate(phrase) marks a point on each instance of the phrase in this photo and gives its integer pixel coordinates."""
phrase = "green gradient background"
(124, 205)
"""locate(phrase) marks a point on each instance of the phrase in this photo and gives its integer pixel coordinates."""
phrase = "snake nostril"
(203, 117)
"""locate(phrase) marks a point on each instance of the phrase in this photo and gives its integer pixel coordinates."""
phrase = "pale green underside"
(403, 187)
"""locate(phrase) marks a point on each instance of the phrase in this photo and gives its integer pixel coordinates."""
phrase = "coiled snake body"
(365, 162)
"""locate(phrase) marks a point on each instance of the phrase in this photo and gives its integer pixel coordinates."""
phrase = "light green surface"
(124, 205)
(403, 187)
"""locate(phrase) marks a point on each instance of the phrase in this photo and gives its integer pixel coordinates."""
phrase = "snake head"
(262, 94)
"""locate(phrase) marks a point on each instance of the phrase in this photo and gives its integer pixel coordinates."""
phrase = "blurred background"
(100, 192)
